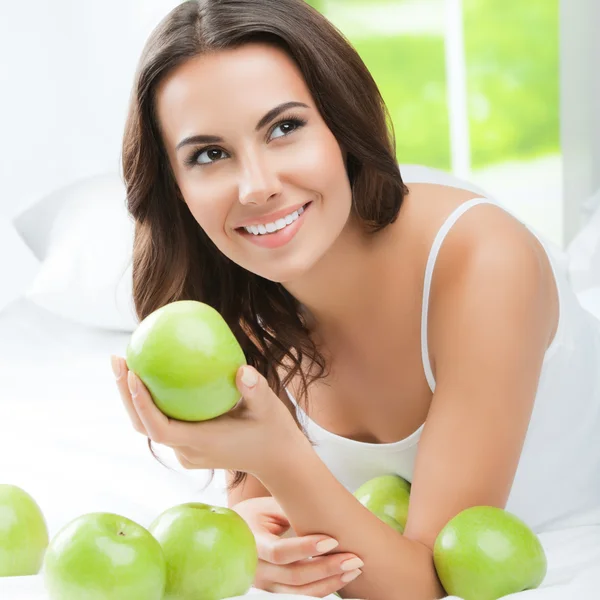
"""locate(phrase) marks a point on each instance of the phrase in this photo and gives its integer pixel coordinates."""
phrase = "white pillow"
(84, 236)
(18, 264)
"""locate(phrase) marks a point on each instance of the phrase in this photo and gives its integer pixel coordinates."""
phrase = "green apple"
(387, 497)
(188, 358)
(484, 553)
(210, 552)
(23, 533)
(103, 556)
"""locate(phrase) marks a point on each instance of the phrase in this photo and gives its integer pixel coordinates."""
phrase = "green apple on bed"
(187, 356)
(105, 557)
(387, 497)
(210, 552)
(484, 553)
(23, 533)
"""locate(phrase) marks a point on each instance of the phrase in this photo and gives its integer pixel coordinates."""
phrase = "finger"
(310, 571)
(120, 370)
(155, 422)
(320, 589)
(252, 385)
(284, 551)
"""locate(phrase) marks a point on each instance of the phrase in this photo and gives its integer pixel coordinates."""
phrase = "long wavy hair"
(173, 258)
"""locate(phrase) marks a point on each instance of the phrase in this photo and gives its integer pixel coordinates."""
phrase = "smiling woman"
(230, 165)
(420, 330)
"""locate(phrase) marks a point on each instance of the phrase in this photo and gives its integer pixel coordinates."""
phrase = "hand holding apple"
(248, 438)
(23, 533)
(105, 557)
(484, 553)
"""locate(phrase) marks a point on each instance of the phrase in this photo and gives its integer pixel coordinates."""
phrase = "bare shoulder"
(490, 239)
(486, 246)
(484, 232)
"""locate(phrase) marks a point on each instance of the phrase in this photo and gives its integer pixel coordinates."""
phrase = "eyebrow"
(215, 139)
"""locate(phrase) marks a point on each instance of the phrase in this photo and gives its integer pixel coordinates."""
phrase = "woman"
(412, 327)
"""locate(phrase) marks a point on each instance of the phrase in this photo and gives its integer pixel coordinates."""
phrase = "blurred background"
(473, 87)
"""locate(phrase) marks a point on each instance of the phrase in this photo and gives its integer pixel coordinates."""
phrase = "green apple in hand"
(23, 533)
(103, 556)
(387, 497)
(210, 552)
(187, 357)
(484, 553)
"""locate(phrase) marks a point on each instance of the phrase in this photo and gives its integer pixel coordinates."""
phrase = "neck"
(340, 291)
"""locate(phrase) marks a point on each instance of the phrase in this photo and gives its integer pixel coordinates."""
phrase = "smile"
(277, 233)
(275, 225)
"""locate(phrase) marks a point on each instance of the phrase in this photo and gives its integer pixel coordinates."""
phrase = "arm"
(492, 329)
(252, 487)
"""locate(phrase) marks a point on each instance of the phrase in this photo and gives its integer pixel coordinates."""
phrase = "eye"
(287, 126)
(211, 153)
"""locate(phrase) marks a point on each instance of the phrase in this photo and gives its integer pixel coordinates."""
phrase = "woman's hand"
(294, 565)
(254, 437)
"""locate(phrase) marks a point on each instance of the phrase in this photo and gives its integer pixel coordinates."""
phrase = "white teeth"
(275, 226)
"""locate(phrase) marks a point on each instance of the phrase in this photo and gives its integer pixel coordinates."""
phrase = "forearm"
(395, 568)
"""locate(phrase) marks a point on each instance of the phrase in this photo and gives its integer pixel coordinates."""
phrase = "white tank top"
(557, 483)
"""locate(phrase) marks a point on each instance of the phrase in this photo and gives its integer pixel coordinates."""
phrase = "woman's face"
(241, 159)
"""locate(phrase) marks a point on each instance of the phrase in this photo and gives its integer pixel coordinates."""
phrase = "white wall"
(580, 108)
(66, 71)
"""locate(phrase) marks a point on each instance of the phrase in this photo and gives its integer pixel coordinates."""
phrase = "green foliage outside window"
(513, 90)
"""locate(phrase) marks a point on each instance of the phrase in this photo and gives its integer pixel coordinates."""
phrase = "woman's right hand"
(294, 565)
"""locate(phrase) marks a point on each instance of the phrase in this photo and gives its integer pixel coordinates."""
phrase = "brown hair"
(173, 259)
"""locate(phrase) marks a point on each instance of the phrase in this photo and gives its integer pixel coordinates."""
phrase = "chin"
(288, 270)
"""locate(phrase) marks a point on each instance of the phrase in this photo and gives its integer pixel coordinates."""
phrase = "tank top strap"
(433, 254)
(292, 399)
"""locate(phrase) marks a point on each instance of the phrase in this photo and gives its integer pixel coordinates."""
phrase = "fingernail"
(347, 577)
(116, 365)
(132, 383)
(351, 564)
(249, 377)
(327, 545)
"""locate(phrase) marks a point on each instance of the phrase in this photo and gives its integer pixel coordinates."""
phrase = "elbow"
(415, 579)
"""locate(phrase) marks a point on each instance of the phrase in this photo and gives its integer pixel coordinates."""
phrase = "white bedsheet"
(65, 438)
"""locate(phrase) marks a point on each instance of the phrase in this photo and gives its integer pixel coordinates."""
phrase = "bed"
(64, 434)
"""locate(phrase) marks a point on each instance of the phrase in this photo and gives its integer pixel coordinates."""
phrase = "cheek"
(319, 163)
(209, 210)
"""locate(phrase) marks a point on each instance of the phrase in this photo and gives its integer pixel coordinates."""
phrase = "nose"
(259, 181)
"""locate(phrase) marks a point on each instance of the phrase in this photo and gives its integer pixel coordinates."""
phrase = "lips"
(278, 238)
(272, 217)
